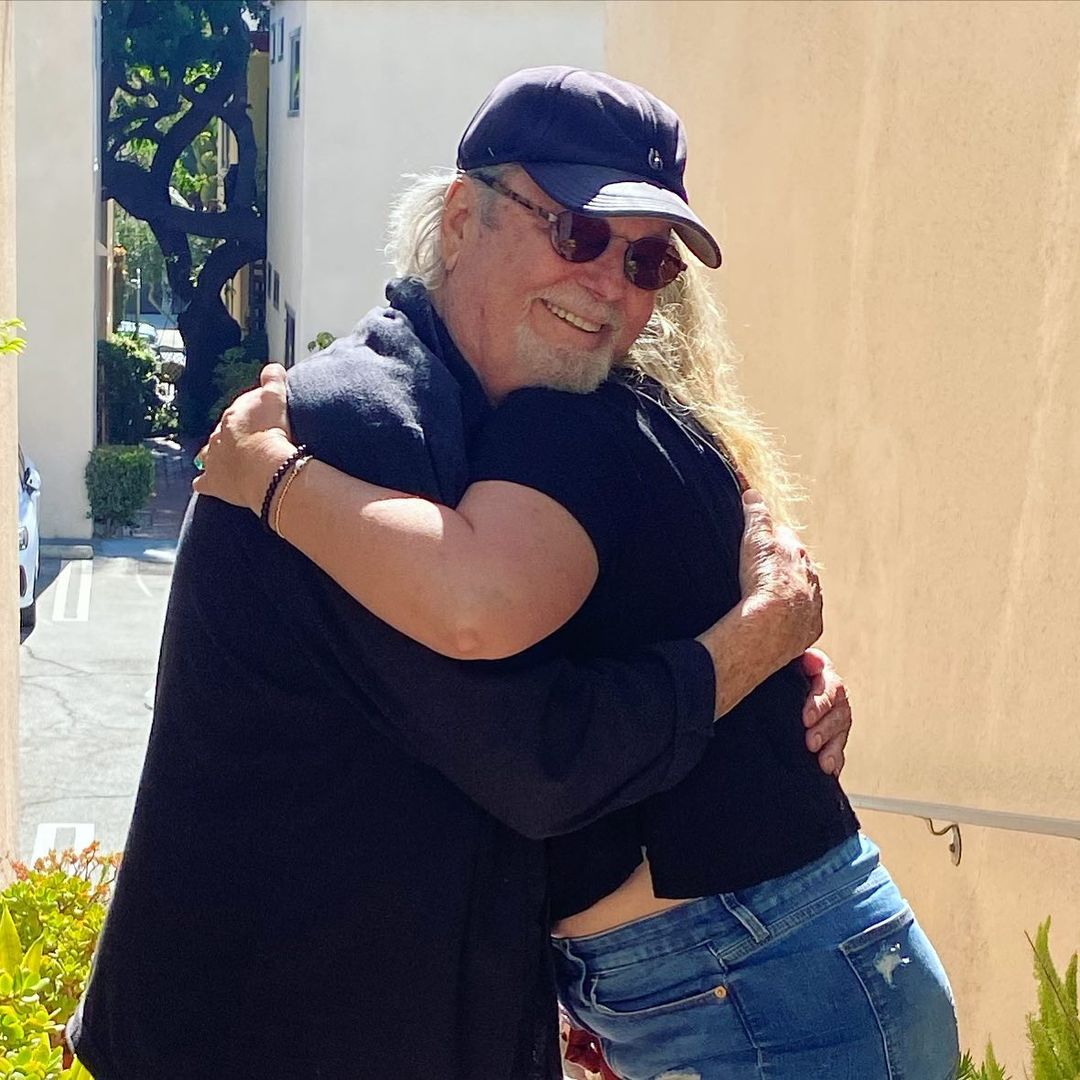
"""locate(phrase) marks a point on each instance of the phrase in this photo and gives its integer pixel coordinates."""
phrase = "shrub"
(50, 918)
(165, 419)
(10, 342)
(119, 480)
(127, 383)
(991, 1070)
(238, 370)
(233, 375)
(1053, 1031)
(322, 340)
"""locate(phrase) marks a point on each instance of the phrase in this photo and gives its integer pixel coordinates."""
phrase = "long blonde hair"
(686, 349)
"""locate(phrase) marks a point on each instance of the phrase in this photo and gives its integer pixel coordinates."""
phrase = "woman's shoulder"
(605, 412)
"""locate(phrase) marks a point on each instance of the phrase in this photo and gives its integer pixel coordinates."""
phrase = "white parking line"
(83, 570)
(58, 835)
(142, 584)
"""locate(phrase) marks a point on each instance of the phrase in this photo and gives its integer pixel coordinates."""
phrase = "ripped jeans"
(822, 974)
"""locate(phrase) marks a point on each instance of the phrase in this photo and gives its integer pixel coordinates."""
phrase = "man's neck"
(451, 315)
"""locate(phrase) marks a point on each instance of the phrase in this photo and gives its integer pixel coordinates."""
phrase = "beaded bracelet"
(300, 463)
(275, 480)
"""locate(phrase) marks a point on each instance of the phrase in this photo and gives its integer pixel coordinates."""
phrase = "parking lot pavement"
(88, 673)
(85, 703)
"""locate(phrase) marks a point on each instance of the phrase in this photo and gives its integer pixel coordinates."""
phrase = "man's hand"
(251, 441)
(779, 584)
(827, 712)
(779, 617)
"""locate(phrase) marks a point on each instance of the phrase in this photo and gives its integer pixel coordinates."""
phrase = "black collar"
(410, 297)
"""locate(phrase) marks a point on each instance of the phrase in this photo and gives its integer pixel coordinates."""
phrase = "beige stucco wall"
(896, 187)
(9, 598)
(57, 226)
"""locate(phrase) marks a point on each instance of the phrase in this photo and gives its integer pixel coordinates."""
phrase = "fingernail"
(815, 742)
(830, 764)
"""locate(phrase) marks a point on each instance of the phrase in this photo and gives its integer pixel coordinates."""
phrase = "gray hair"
(413, 243)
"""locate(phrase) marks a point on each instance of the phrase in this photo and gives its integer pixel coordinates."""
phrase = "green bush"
(322, 340)
(119, 480)
(127, 383)
(165, 420)
(1053, 1031)
(233, 375)
(10, 342)
(50, 918)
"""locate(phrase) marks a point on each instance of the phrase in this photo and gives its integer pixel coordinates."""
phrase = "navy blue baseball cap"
(593, 143)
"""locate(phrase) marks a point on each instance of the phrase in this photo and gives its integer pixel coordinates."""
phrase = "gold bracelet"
(293, 474)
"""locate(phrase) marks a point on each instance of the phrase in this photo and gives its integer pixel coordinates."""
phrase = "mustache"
(581, 303)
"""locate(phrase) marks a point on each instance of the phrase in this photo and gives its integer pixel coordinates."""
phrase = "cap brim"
(591, 189)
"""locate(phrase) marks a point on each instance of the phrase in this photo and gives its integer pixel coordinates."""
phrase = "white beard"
(579, 371)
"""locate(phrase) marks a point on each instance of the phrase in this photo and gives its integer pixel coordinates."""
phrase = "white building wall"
(285, 173)
(57, 210)
(388, 88)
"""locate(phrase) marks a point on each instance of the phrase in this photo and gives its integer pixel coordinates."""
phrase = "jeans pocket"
(659, 986)
(909, 993)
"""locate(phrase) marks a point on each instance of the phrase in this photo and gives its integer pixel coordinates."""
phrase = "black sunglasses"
(650, 263)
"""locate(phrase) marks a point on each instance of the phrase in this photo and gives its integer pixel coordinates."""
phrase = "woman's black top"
(664, 511)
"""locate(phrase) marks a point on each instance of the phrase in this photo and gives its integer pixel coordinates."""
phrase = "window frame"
(295, 69)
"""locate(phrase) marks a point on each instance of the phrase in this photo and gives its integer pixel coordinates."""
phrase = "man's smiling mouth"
(572, 319)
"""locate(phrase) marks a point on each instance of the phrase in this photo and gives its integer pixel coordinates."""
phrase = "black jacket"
(327, 873)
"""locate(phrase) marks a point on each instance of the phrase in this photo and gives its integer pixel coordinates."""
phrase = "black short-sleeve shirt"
(664, 512)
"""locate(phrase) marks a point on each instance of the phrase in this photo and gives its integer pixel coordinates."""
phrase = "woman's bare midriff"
(632, 900)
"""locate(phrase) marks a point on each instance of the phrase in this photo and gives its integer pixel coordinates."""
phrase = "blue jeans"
(823, 974)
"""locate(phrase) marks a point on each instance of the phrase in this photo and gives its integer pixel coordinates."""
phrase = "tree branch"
(221, 265)
(239, 121)
(177, 252)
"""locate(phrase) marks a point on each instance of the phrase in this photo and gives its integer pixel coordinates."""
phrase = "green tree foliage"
(172, 70)
(238, 371)
(127, 383)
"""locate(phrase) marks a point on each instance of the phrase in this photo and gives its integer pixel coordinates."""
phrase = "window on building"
(294, 72)
(273, 42)
(290, 337)
(281, 38)
(277, 291)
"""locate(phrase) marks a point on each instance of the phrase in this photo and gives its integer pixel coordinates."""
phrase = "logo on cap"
(656, 162)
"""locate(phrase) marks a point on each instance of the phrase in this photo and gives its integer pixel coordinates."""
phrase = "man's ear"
(458, 210)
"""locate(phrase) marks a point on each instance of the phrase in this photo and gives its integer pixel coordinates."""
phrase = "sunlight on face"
(527, 317)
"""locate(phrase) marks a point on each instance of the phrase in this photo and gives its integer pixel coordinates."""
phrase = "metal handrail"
(967, 815)
(970, 815)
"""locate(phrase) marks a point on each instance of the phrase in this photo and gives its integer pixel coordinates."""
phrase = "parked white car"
(29, 540)
(147, 331)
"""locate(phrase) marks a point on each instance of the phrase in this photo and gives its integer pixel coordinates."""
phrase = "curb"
(67, 551)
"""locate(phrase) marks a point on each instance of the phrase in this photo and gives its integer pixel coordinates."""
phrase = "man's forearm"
(748, 645)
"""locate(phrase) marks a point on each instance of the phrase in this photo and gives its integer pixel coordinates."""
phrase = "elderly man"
(333, 867)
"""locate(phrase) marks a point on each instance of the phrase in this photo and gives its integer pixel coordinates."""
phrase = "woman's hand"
(249, 444)
(827, 712)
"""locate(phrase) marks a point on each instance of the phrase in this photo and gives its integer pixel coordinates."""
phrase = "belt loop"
(581, 968)
(747, 919)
